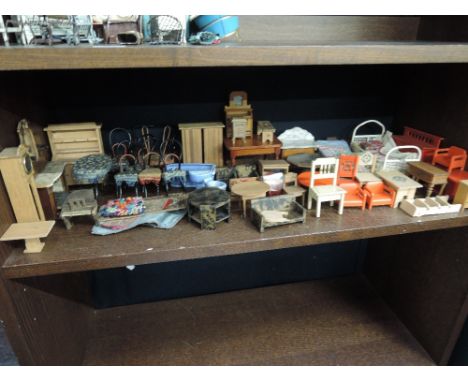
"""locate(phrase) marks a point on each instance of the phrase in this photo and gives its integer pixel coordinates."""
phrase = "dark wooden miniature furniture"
(429, 174)
(403, 302)
(209, 206)
(251, 147)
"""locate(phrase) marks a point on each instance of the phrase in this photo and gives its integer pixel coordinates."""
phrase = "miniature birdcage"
(162, 29)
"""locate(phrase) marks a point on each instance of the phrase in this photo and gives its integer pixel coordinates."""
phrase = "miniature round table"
(209, 206)
(249, 191)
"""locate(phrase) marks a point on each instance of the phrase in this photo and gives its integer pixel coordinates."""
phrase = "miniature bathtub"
(197, 174)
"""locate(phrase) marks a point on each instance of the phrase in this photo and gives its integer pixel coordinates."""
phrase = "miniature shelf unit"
(404, 303)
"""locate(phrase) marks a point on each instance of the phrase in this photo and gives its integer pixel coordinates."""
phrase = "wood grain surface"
(185, 241)
(333, 322)
(64, 57)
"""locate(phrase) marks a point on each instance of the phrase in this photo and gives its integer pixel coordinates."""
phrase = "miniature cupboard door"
(192, 145)
(213, 145)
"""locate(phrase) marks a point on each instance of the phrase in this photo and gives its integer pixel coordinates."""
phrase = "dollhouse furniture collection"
(51, 285)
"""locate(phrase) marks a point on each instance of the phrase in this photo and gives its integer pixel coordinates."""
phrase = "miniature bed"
(381, 151)
(428, 143)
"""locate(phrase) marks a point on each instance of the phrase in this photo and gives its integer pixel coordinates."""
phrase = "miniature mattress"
(296, 138)
(92, 168)
(333, 148)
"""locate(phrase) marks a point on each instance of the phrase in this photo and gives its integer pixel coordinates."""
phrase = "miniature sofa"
(428, 143)
(452, 158)
(379, 194)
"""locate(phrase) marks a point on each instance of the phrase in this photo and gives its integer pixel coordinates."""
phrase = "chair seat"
(304, 180)
(294, 190)
(327, 190)
(381, 198)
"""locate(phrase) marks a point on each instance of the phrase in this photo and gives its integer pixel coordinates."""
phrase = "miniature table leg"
(319, 206)
(430, 189)
(244, 208)
(442, 189)
(33, 245)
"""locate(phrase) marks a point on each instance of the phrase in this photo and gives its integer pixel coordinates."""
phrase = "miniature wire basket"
(165, 30)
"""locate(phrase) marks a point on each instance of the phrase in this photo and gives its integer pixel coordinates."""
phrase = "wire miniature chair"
(150, 175)
(128, 174)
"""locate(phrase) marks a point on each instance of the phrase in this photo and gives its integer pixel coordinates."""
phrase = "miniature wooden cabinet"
(202, 142)
(461, 197)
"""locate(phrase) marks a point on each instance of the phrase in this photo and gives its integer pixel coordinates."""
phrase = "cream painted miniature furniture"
(404, 186)
(461, 196)
(291, 188)
(366, 177)
(31, 233)
(325, 168)
(248, 191)
(239, 129)
(266, 166)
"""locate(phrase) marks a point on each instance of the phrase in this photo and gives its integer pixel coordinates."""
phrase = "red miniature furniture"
(428, 143)
(454, 180)
(453, 158)
(304, 180)
(355, 196)
(347, 169)
(379, 194)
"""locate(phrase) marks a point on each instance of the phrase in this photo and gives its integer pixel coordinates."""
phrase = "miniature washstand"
(209, 206)
(240, 109)
(266, 130)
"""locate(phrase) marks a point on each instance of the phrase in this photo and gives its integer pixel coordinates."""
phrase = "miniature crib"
(381, 151)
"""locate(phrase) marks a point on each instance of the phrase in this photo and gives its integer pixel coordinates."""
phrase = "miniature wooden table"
(266, 165)
(251, 146)
(427, 173)
(31, 233)
(209, 206)
(404, 186)
(249, 191)
(366, 177)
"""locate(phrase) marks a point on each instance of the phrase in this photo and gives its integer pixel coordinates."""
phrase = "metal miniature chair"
(149, 175)
(127, 175)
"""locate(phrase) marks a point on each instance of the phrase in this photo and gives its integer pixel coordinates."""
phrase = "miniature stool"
(249, 191)
(266, 130)
(209, 206)
(31, 233)
(78, 203)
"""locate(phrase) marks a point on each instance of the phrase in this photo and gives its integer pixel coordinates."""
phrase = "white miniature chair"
(325, 168)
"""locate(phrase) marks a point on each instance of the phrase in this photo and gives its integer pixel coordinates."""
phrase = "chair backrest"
(290, 179)
(374, 187)
(348, 166)
(454, 150)
(324, 168)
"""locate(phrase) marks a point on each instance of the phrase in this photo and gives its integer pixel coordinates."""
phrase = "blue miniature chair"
(127, 175)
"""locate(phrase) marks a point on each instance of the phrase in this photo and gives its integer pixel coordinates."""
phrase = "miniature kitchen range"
(115, 180)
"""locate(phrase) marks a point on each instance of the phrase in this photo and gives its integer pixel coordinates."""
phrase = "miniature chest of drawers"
(461, 197)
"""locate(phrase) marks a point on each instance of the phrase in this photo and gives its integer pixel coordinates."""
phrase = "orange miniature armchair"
(348, 168)
(379, 194)
(355, 196)
(453, 158)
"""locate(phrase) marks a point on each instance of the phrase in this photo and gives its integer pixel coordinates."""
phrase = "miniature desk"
(404, 186)
(209, 206)
(427, 173)
(249, 191)
(366, 177)
(31, 233)
(252, 146)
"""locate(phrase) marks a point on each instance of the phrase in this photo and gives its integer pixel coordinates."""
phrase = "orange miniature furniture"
(304, 180)
(355, 196)
(453, 158)
(379, 194)
(348, 168)
(428, 143)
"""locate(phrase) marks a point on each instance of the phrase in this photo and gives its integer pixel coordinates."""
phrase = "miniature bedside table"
(252, 146)
(249, 191)
(366, 177)
(427, 173)
(404, 186)
(461, 197)
(209, 206)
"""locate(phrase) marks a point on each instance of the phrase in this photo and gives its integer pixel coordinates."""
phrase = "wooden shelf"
(332, 322)
(230, 54)
(77, 250)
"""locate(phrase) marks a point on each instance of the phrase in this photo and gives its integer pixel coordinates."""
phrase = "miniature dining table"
(248, 191)
(251, 146)
(404, 186)
(429, 174)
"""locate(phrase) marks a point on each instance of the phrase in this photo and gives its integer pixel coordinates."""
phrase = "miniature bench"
(428, 143)
(31, 233)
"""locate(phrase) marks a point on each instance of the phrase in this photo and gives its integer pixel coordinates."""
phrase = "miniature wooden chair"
(355, 196)
(325, 168)
(453, 158)
(348, 169)
(291, 188)
(379, 194)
